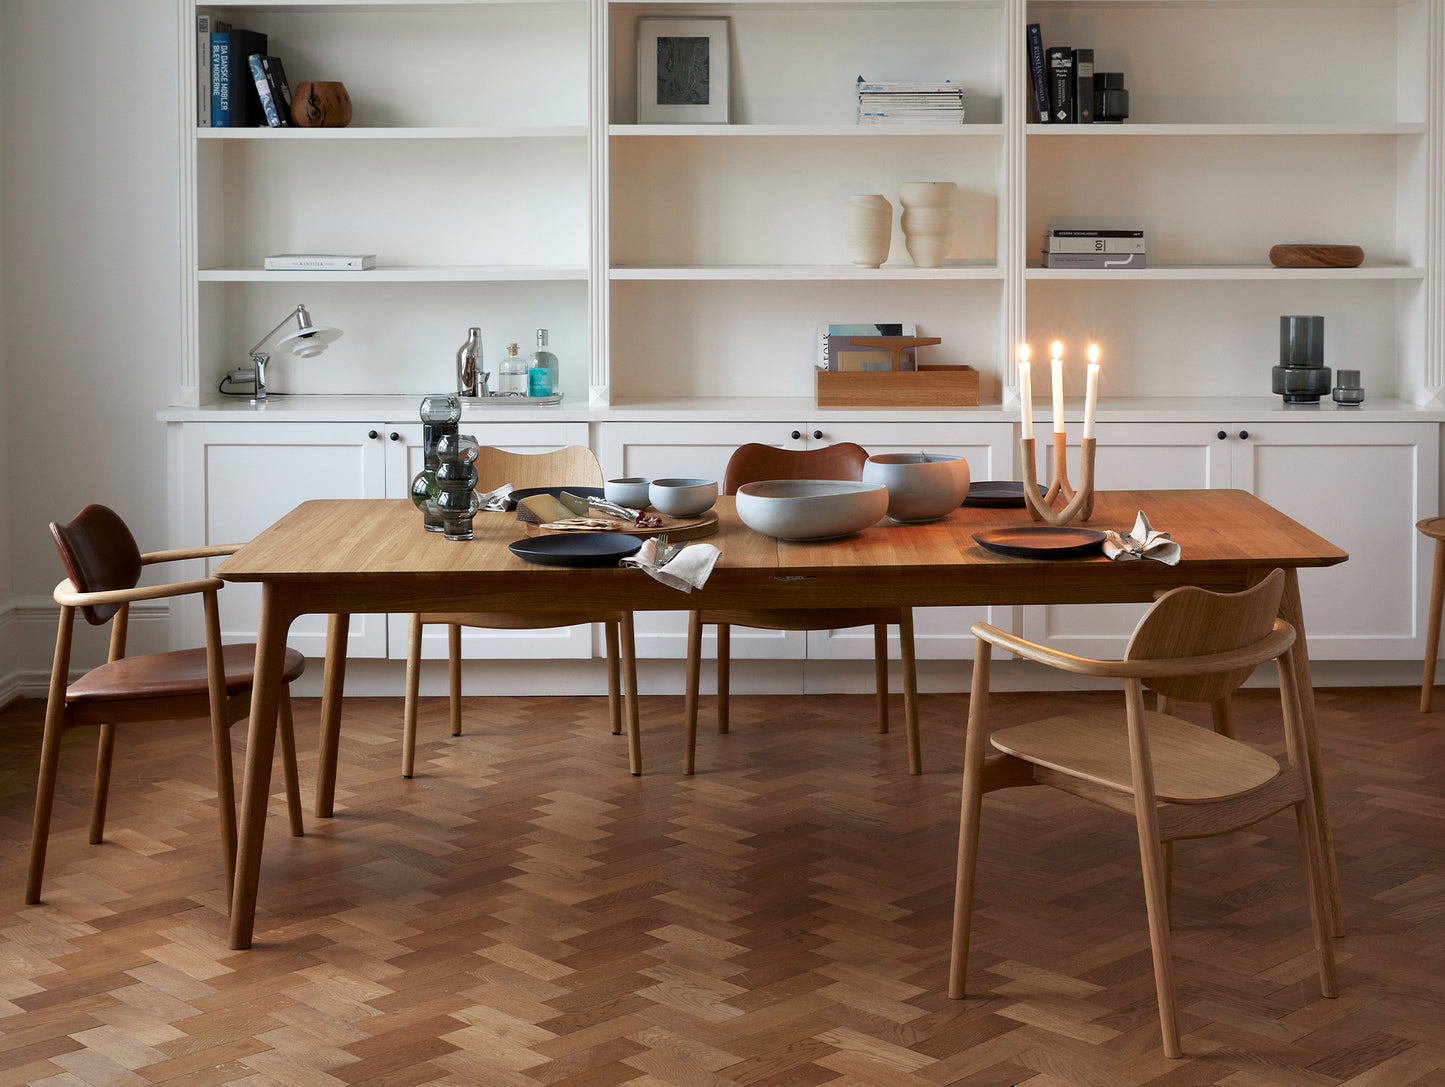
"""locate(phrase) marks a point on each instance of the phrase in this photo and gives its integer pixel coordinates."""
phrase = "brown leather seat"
(753, 463)
(104, 567)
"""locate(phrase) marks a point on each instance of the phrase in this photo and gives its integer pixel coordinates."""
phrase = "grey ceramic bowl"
(921, 486)
(810, 509)
(630, 491)
(681, 497)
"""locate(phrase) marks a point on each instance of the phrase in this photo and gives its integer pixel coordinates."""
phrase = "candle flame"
(1023, 352)
(1058, 349)
(1093, 352)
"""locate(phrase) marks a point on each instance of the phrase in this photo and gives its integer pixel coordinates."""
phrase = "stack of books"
(916, 102)
(238, 85)
(1091, 248)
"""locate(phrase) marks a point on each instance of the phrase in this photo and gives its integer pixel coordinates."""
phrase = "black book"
(246, 108)
(1061, 83)
(1038, 76)
(1083, 111)
(280, 89)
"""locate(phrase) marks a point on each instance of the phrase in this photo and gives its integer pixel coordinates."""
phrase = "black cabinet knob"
(797, 434)
(1243, 434)
(1222, 435)
(817, 434)
(394, 436)
(372, 434)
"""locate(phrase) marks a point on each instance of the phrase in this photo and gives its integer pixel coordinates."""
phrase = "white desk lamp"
(304, 341)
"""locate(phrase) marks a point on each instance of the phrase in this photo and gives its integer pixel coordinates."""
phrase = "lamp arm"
(301, 309)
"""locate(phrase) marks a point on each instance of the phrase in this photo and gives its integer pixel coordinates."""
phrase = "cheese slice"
(545, 508)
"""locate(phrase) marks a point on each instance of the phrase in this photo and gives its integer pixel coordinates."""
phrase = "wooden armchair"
(572, 466)
(104, 567)
(754, 462)
(1177, 779)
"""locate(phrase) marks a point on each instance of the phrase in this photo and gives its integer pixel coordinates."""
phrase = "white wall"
(8, 635)
(90, 274)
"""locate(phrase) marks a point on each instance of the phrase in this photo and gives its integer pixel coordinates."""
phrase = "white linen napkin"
(1142, 543)
(687, 570)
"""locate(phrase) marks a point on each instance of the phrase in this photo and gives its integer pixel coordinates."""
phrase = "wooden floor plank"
(524, 911)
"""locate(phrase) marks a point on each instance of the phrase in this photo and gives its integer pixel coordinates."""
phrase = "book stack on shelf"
(1062, 80)
(1090, 248)
(238, 85)
(913, 102)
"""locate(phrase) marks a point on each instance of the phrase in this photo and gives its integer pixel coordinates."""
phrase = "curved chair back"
(754, 461)
(571, 466)
(100, 555)
(1193, 622)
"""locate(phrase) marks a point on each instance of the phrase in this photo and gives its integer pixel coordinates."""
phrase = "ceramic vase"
(928, 220)
(868, 229)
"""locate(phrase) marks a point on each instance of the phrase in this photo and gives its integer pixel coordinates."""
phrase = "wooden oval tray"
(1316, 256)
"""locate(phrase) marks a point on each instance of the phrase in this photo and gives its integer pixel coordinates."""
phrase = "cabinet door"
(938, 633)
(404, 461)
(1362, 486)
(239, 478)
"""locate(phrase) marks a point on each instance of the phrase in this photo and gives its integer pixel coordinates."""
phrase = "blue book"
(221, 80)
(1038, 75)
(263, 88)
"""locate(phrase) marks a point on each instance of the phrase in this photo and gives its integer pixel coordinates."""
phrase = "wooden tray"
(926, 387)
(675, 528)
(1316, 256)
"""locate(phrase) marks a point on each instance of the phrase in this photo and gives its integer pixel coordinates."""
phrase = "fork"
(664, 551)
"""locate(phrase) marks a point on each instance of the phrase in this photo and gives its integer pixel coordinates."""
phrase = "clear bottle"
(542, 373)
(512, 373)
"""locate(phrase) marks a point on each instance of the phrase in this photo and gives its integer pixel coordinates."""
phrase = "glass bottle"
(440, 416)
(542, 373)
(512, 374)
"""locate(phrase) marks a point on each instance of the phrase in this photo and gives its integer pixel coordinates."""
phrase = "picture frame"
(682, 70)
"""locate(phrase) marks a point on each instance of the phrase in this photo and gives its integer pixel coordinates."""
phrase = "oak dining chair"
(1178, 780)
(104, 565)
(755, 462)
(570, 466)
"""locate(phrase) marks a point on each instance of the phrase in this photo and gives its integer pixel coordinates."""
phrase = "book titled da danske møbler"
(320, 262)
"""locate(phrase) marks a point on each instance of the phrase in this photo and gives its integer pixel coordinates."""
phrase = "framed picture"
(682, 70)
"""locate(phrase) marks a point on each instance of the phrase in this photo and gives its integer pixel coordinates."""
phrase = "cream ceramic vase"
(928, 220)
(868, 229)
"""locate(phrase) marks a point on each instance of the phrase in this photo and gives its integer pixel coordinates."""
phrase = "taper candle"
(1058, 388)
(1026, 392)
(1091, 391)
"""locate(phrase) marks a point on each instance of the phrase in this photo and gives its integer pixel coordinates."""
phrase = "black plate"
(528, 492)
(997, 494)
(1041, 541)
(576, 548)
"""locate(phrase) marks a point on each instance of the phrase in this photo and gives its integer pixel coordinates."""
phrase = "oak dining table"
(344, 556)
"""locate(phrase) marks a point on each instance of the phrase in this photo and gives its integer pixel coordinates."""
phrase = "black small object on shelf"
(1301, 376)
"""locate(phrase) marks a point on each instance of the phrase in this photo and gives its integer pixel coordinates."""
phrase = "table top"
(347, 555)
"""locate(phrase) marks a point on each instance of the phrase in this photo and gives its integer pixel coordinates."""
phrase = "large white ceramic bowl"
(810, 509)
(921, 486)
(681, 497)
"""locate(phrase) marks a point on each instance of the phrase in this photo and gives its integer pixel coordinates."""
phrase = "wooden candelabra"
(1078, 504)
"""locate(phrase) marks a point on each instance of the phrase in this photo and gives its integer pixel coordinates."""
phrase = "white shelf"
(458, 132)
(342, 6)
(809, 272)
(1108, 130)
(833, 131)
(1198, 272)
(436, 274)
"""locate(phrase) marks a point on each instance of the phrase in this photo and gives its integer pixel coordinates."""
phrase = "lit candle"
(1091, 391)
(1026, 392)
(1058, 388)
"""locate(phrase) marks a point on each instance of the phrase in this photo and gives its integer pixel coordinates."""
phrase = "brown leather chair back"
(99, 554)
(754, 461)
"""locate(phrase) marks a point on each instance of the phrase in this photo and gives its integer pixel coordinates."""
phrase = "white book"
(320, 262)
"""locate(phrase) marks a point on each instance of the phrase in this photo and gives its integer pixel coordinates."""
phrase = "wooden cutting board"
(674, 528)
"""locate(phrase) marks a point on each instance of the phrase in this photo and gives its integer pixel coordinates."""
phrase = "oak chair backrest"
(100, 555)
(754, 462)
(571, 466)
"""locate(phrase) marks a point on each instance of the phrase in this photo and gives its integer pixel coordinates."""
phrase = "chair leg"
(104, 758)
(454, 675)
(880, 673)
(694, 672)
(910, 690)
(413, 691)
(629, 667)
(975, 745)
(1432, 630)
(614, 679)
(286, 726)
(724, 674)
(1222, 711)
(49, 756)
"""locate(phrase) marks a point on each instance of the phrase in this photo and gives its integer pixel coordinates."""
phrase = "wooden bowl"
(1316, 256)
(321, 105)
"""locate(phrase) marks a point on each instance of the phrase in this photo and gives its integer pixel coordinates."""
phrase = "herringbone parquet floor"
(524, 912)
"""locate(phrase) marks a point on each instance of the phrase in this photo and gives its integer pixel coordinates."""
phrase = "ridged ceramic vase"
(868, 229)
(928, 220)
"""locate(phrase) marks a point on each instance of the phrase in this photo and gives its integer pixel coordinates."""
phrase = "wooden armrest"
(67, 594)
(178, 553)
(1272, 645)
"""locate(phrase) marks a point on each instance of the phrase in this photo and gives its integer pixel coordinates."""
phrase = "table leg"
(1292, 611)
(276, 616)
(338, 627)
(1432, 632)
